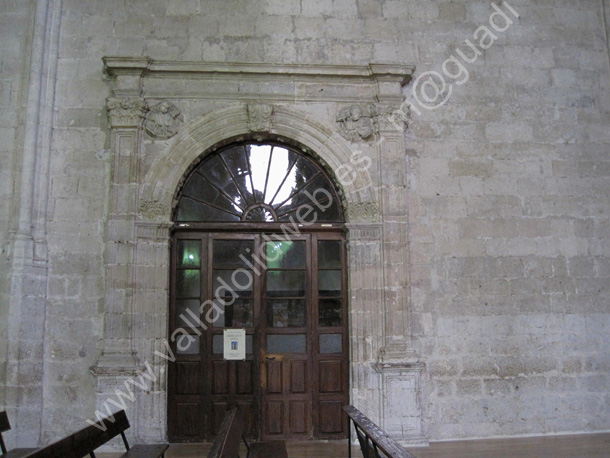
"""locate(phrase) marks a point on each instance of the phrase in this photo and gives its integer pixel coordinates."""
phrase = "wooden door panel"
(331, 417)
(188, 420)
(219, 409)
(248, 410)
(330, 373)
(220, 377)
(188, 378)
(298, 377)
(297, 390)
(274, 417)
(244, 380)
(299, 415)
(275, 377)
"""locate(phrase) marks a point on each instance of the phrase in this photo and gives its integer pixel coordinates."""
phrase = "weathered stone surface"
(491, 222)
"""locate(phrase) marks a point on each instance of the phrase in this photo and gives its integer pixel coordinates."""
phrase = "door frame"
(255, 232)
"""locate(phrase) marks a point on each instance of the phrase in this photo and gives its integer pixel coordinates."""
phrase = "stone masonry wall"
(509, 215)
(508, 189)
(15, 22)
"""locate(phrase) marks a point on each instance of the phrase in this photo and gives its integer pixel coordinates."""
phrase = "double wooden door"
(289, 294)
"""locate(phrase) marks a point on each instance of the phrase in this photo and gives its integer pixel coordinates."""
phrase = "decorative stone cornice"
(125, 111)
(214, 80)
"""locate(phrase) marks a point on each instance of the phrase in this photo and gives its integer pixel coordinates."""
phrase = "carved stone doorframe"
(165, 115)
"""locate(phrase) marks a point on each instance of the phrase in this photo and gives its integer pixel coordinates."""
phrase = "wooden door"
(290, 297)
(286, 340)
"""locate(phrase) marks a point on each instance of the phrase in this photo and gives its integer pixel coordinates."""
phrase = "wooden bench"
(232, 432)
(87, 440)
(16, 452)
(374, 442)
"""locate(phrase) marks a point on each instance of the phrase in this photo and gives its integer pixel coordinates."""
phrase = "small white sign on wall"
(235, 344)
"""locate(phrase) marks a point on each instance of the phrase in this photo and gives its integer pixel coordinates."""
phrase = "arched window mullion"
(235, 181)
(321, 202)
(213, 206)
(268, 171)
(221, 191)
(299, 189)
(293, 163)
(218, 190)
(247, 156)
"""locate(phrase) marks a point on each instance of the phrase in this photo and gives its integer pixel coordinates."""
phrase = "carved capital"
(163, 120)
(393, 116)
(150, 209)
(125, 111)
(363, 212)
(259, 117)
(357, 122)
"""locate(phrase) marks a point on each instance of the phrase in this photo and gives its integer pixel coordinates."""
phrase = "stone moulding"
(296, 103)
(385, 80)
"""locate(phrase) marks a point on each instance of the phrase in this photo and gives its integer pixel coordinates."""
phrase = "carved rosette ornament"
(357, 123)
(259, 117)
(363, 212)
(163, 120)
(150, 209)
(125, 111)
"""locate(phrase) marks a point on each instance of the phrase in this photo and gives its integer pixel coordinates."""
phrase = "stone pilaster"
(119, 361)
(150, 319)
(400, 400)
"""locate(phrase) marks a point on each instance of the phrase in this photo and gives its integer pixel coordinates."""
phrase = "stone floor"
(575, 446)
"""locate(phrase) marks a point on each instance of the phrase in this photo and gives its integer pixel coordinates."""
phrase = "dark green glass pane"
(286, 343)
(216, 173)
(232, 253)
(331, 343)
(329, 283)
(316, 202)
(236, 161)
(231, 284)
(285, 254)
(188, 283)
(187, 313)
(329, 254)
(191, 210)
(187, 344)
(189, 253)
(330, 312)
(286, 283)
(237, 314)
(286, 313)
(202, 190)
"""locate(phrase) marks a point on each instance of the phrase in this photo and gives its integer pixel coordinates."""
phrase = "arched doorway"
(258, 245)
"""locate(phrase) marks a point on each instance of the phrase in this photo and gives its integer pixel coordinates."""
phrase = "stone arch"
(202, 135)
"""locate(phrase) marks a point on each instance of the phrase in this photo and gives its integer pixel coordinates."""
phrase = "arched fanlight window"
(258, 183)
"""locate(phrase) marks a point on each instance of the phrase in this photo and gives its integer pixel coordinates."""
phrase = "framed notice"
(235, 344)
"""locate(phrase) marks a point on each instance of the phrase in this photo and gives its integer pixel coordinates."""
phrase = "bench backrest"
(4, 426)
(229, 436)
(374, 442)
(85, 441)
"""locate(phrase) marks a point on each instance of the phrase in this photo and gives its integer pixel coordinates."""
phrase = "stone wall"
(507, 191)
(508, 210)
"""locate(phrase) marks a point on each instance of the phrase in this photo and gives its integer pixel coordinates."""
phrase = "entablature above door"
(143, 76)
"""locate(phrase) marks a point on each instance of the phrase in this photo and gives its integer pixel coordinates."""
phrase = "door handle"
(270, 358)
